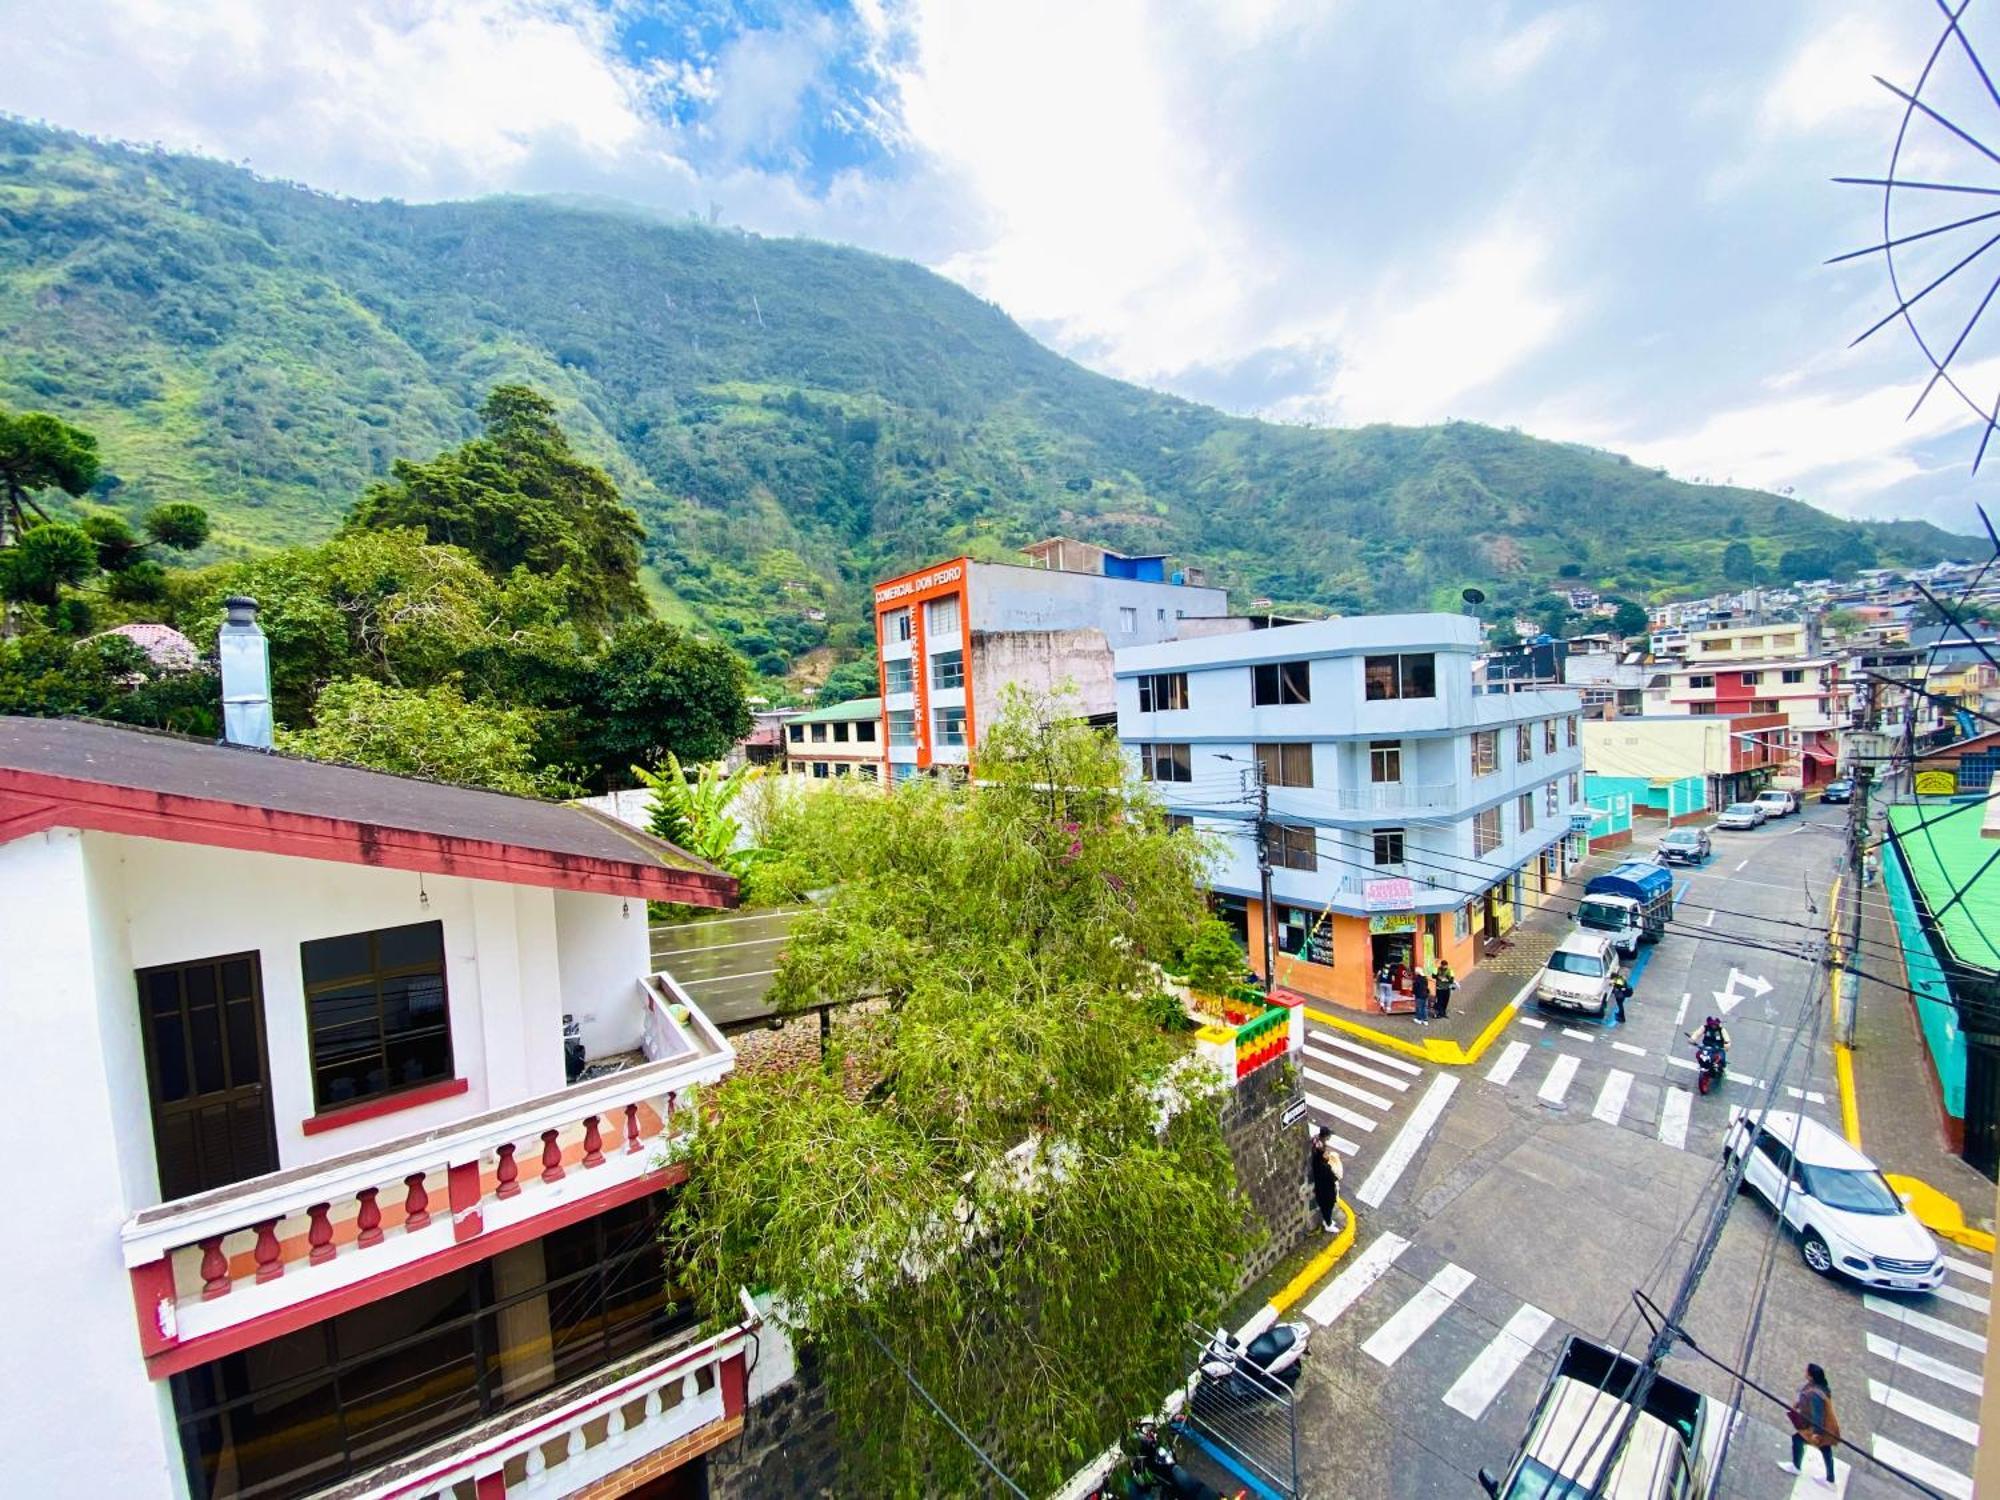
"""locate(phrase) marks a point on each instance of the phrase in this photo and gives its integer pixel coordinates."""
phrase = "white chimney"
(245, 659)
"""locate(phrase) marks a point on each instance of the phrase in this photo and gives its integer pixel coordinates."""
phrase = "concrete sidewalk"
(1895, 1096)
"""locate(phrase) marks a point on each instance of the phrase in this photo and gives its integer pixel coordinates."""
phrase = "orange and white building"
(950, 637)
(346, 1107)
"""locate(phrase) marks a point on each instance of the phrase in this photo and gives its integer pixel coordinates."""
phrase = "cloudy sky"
(1596, 222)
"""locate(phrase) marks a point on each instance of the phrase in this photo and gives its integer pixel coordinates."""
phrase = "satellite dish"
(1473, 596)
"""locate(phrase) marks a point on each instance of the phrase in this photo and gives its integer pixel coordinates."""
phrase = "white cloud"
(1512, 56)
(1084, 151)
(420, 98)
(1829, 81)
(1430, 338)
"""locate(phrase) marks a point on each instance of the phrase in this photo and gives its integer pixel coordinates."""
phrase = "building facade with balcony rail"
(364, 1108)
(1411, 817)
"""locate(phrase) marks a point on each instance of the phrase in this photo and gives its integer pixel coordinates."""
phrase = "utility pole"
(1863, 750)
(1263, 789)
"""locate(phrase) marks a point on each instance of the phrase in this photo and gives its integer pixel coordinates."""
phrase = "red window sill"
(387, 1104)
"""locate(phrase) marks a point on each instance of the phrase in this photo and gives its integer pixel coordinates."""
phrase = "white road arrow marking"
(1728, 999)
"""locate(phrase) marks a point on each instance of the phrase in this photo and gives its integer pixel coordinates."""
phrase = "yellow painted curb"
(1430, 1049)
(1939, 1212)
(1850, 1111)
(1317, 1267)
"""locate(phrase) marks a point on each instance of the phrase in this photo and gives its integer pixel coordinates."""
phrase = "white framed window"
(898, 675)
(1385, 760)
(1388, 846)
(902, 726)
(896, 625)
(1524, 806)
(1165, 763)
(941, 619)
(1552, 798)
(949, 726)
(1485, 752)
(1128, 619)
(948, 669)
(1486, 831)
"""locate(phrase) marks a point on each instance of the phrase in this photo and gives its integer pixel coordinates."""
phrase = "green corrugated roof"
(1943, 851)
(853, 708)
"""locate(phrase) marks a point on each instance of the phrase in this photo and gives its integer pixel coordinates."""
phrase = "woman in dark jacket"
(1325, 1178)
(1813, 1422)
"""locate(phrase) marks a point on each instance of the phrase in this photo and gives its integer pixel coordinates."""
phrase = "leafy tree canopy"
(654, 691)
(431, 732)
(978, 1178)
(518, 497)
(1630, 618)
(41, 452)
(43, 672)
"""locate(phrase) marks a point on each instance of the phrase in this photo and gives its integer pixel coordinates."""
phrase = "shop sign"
(1580, 822)
(1937, 783)
(903, 588)
(1318, 947)
(1404, 921)
(1388, 895)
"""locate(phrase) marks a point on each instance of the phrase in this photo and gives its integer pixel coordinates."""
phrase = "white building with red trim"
(319, 1195)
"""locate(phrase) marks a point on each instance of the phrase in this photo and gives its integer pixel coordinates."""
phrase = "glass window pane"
(1378, 677)
(1298, 682)
(419, 1058)
(246, 1063)
(1419, 676)
(332, 958)
(403, 947)
(205, 1042)
(239, 979)
(170, 1056)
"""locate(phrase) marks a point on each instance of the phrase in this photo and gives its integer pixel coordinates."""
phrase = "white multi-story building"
(345, 1103)
(1410, 816)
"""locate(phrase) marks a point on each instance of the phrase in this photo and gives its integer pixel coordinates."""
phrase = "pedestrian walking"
(1871, 865)
(1324, 1169)
(1384, 986)
(1420, 987)
(1444, 984)
(1813, 1423)
(1621, 990)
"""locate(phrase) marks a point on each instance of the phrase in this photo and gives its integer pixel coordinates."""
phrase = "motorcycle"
(1273, 1359)
(1153, 1470)
(1711, 1062)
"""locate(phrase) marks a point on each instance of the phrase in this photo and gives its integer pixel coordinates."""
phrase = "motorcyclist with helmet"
(1713, 1034)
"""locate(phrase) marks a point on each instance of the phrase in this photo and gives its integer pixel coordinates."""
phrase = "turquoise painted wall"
(1935, 1012)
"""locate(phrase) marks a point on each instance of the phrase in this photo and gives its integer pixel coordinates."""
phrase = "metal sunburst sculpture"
(1947, 150)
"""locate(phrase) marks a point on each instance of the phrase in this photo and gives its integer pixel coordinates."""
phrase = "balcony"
(1395, 797)
(689, 1390)
(226, 1268)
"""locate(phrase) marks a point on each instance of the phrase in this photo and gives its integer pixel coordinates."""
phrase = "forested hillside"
(789, 419)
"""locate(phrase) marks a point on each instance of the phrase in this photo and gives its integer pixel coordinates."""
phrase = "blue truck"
(1631, 904)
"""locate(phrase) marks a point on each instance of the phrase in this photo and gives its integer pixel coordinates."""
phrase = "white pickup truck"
(1670, 1454)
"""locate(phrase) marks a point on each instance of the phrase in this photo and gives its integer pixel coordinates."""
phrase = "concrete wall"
(1007, 598)
(1270, 1159)
(1041, 662)
(602, 949)
(83, 1406)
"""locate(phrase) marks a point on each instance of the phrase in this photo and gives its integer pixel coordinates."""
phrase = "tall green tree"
(654, 691)
(40, 452)
(517, 496)
(979, 1187)
(695, 812)
(1630, 618)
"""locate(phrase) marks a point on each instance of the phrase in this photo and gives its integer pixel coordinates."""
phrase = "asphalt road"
(1575, 1163)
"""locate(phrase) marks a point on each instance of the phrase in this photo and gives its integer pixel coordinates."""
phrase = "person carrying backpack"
(1813, 1423)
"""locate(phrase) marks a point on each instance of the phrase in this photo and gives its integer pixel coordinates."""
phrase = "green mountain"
(791, 419)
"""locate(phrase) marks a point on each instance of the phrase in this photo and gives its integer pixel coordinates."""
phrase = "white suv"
(1847, 1217)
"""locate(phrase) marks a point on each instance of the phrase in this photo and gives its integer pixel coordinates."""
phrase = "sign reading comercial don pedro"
(902, 588)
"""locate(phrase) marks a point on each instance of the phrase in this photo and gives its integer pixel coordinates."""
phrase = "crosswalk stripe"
(1970, 1300)
(1925, 1364)
(1510, 1059)
(1403, 1149)
(1325, 1055)
(1682, 1062)
(1409, 1323)
(1914, 1464)
(1534, 1021)
(1811, 1483)
(1611, 1098)
(1743, 1078)
(1338, 1112)
(1364, 1271)
(1373, 1055)
(1967, 1269)
(1557, 1083)
(1674, 1109)
(1811, 1096)
(1488, 1375)
(1342, 1086)
(1628, 1047)
(1918, 1410)
(1581, 1036)
(1951, 1333)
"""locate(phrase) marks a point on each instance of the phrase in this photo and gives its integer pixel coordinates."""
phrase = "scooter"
(1711, 1062)
(1272, 1360)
